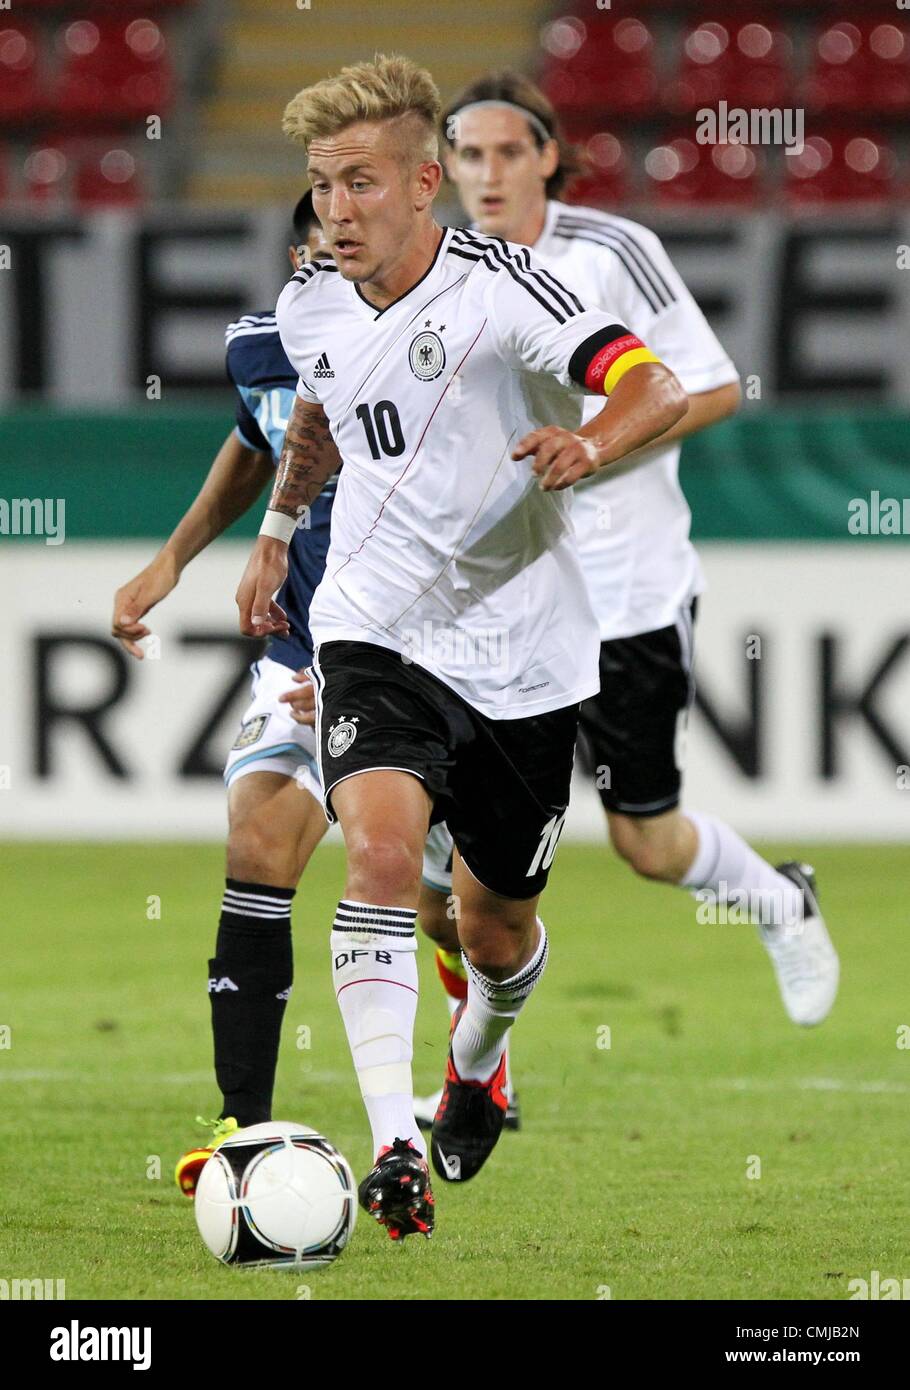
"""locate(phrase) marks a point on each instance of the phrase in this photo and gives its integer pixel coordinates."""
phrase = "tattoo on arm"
(309, 457)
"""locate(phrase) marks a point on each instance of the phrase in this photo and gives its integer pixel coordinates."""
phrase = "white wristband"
(278, 525)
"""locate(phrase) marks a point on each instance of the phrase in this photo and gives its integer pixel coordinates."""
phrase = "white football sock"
(726, 866)
(375, 973)
(452, 1002)
(492, 1007)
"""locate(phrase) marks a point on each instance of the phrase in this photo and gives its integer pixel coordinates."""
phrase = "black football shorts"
(631, 736)
(501, 785)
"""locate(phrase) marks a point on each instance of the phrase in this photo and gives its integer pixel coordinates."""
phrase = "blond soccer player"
(444, 368)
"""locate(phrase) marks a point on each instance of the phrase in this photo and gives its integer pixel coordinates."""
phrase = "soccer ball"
(276, 1194)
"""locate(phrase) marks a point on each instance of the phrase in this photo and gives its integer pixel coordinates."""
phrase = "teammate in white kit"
(454, 637)
(642, 572)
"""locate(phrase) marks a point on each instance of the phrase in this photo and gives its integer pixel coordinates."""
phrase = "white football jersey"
(443, 548)
(633, 522)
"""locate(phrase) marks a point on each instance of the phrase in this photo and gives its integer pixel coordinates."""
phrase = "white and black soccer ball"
(276, 1194)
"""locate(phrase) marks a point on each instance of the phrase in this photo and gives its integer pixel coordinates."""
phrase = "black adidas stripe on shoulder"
(636, 261)
(558, 288)
(484, 258)
(496, 255)
(308, 272)
(521, 257)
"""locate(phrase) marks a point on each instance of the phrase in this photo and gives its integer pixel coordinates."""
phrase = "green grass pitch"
(630, 1173)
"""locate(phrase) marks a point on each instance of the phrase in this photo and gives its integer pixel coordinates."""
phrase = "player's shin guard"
(375, 973)
(249, 984)
(492, 1007)
(451, 970)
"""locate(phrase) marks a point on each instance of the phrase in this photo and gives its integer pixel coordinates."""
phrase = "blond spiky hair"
(391, 87)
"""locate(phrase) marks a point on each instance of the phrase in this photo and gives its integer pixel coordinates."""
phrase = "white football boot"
(804, 959)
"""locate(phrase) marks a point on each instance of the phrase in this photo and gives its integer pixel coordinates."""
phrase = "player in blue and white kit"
(274, 801)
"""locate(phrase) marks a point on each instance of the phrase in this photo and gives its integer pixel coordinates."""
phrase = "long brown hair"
(513, 87)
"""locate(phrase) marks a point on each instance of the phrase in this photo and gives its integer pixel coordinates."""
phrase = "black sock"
(249, 983)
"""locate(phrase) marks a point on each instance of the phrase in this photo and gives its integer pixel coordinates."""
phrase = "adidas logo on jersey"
(323, 368)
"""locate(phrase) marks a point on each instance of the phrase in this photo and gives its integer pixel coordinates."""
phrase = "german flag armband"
(602, 360)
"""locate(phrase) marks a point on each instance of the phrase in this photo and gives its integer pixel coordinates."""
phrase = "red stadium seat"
(113, 71)
(740, 61)
(682, 171)
(21, 88)
(108, 179)
(46, 173)
(604, 180)
(85, 76)
(838, 168)
(5, 181)
(600, 65)
(860, 68)
(148, 82)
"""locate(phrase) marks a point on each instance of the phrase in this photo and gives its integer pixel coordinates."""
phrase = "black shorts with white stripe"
(501, 785)
(631, 736)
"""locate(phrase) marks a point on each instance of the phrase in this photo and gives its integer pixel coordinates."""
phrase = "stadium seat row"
(92, 72)
(833, 167)
(87, 173)
(608, 65)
